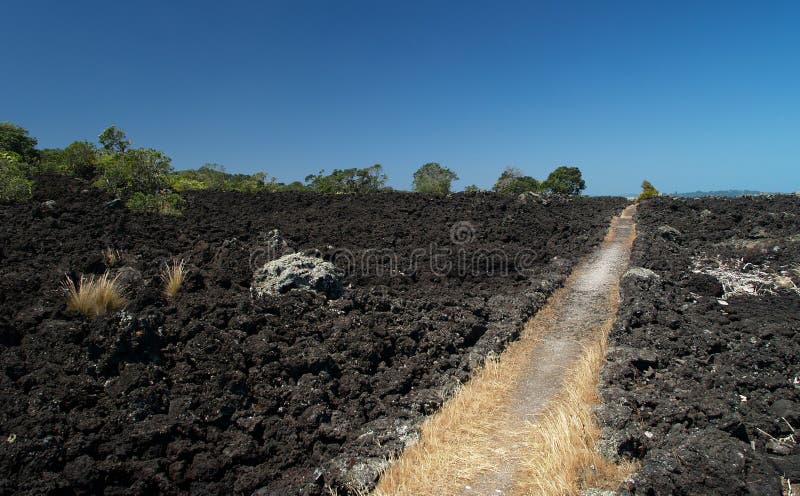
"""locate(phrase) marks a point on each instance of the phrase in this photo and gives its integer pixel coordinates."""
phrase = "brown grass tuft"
(112, 256)
(172, 275)
(94, 296)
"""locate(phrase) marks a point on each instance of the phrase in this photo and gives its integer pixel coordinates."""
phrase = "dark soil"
(694, 389)
(213, 392)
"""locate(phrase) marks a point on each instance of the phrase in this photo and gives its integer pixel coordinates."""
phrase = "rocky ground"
(232, 389)
(702, 383)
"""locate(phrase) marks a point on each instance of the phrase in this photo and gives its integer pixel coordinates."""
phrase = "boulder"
(297, 271)
(669, 233)
(640, 273)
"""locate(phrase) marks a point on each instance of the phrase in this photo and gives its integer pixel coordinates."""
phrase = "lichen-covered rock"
(640, 273)
(297, 271)
(669, 233)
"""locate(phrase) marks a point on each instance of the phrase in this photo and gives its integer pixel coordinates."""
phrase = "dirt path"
(481, 439)
(580, 310)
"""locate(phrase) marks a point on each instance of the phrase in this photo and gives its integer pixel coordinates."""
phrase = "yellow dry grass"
(172, 276)
(555, 455)
(562, 459)
(468, 434)
(112, 256)
(94, 296)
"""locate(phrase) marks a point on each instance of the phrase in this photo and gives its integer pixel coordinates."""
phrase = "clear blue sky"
(694, 95)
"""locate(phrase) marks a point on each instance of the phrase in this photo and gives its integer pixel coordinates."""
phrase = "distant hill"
(726, 192)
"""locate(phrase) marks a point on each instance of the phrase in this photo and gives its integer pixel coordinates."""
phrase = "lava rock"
(297, 271)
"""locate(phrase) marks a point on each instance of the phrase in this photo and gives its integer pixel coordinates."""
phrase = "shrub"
(648, 191)
(80, 159)
(172, 276)
(366, 180)
(512, 182)
(164, 202)
(214, 177)
(181, 183)
(565, 181)
(15, 139)
(433, 178)
(141, 170)
(94, 296)
(14, 186)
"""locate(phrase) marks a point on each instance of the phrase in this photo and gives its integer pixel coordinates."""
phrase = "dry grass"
(562, 459)
(473, 430)
(172, 276)
(456, 443)
(94, 296)
(555, 455)
(112, 256)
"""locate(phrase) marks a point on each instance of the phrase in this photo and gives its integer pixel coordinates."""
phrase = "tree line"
(146, 179)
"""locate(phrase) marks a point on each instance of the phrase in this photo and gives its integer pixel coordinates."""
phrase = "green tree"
(509, 175)
(472, 188)
(292, 186)
(15, 139)
(80, 159)
(14, 186)
(565, 181)
(113, 140)
(366, 180)
(51, 160)
(433, 178)
(214, 177)
(648, 191)
(511, 181)
(140, 170)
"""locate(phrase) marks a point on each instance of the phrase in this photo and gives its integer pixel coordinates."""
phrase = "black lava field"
(215, 392)
(702, 383)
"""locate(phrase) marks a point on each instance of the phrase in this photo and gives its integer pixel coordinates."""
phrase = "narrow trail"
(488, 440)
(586, 303)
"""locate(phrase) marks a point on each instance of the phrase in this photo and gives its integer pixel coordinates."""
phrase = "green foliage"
(183, 183)
(164, 202)
(15, 139)
(113, 140)
(80, 159)
(433, 178)
(565, 181)
(51, 160)
(140, 170)
(14, 186)
(366, 180)
(472, 188)
(511, 181)
(292, 186)
(648, 191)
(214, 177)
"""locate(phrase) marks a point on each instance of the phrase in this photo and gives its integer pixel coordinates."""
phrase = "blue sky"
(690, 95)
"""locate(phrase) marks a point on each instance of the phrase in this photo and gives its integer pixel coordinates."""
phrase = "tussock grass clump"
(112, 256)
(94, 296)
(172, 276)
